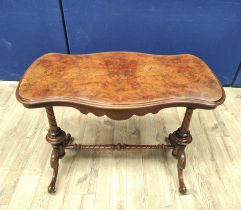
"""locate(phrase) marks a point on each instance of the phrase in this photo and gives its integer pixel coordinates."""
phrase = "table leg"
(58, 139)
(180, 139)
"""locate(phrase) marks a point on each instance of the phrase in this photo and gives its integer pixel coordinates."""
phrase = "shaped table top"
(120, 80)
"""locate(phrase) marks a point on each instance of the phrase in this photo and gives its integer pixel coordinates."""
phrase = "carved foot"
(54, 162)
(179, 140)
(180, 166)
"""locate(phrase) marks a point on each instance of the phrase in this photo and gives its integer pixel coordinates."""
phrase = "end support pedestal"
(58, 140)
(180, 139)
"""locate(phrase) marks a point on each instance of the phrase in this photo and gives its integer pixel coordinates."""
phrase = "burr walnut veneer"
(119, 85)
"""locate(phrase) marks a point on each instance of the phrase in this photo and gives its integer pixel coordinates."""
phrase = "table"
(119, 85)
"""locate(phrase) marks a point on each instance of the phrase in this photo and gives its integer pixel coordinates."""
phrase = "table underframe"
(60, 141)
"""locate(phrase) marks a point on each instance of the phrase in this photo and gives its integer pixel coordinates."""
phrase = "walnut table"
(119, 85)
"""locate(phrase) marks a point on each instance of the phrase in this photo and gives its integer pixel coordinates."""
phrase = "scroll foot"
(179, 140)
(51, 188)
(54, 162)
(180, 166)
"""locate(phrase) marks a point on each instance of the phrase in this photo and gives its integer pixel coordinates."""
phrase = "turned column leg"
(58, 139)
(180, 139)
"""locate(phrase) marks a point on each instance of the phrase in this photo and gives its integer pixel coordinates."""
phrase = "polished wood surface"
(127, 180)
(120, 80)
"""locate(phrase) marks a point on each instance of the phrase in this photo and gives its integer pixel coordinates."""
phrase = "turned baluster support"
(58, 139)
(180, 139)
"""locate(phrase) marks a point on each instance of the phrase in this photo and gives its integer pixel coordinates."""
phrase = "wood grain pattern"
(131, 180)
(119, 82)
